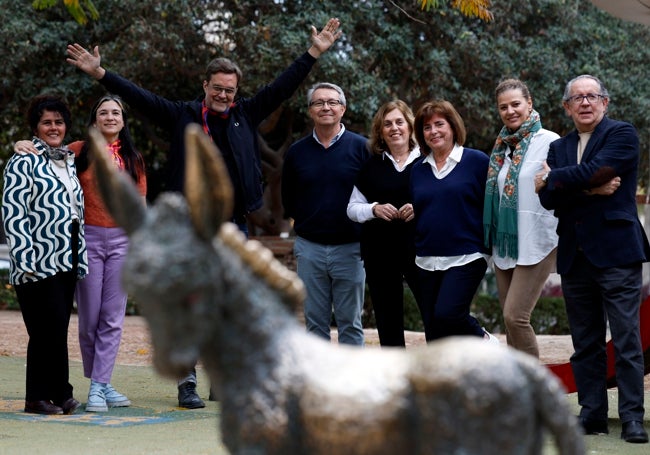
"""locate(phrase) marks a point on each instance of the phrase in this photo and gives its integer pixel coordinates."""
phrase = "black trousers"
(46, 306)
(385, 277)
(593, 297)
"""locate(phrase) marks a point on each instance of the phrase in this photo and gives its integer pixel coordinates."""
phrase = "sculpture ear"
(118, 192)
(208, 189)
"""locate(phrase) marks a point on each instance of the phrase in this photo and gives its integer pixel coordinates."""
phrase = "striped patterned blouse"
(37, 212)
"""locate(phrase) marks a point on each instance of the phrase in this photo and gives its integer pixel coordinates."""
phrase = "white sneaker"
(490, 338)
(115, 399)
(96, 399)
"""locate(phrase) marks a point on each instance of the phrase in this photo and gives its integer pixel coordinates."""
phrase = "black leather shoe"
(633, 432)
(42, 407)
(188, 398)
(590, 426)
(70, 405)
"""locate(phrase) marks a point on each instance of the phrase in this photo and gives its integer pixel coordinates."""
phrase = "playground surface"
(154, 424)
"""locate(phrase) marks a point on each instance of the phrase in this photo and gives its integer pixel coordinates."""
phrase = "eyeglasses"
(578, 99)
(227, 90)
(320, 103)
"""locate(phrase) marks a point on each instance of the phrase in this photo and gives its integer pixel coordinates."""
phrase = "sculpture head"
(170, 269)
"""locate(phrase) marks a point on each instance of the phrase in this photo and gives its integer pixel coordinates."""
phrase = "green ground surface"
(154, 425)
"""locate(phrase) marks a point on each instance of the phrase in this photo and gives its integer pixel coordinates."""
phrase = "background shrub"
(9, 301)
(548, 318)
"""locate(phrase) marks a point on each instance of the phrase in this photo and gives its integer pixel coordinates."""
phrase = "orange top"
(95, 210)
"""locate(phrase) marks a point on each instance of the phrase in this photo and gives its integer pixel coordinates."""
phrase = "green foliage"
(132, 307)
(8, 299)
(412, 317)
(548, 318)
(388, 50)
(76, 9)
(469, 8)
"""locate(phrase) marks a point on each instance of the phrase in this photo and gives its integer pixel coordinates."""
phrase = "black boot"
(187, 396)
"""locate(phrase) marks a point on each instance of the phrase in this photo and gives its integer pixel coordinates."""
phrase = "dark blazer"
(606, 228)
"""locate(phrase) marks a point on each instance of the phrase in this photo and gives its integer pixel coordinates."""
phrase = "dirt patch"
(136, 344)
(134, 350)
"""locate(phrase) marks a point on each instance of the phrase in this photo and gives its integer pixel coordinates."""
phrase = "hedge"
(548, 318)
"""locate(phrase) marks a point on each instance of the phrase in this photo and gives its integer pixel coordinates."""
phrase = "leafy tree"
(470, 8)
(390, 49)
(76, 9)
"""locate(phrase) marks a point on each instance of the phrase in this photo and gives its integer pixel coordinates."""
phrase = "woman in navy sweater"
(448, 188)
(381, 201)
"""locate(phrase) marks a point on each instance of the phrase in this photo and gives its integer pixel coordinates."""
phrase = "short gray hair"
(567, 90)
(328, 85)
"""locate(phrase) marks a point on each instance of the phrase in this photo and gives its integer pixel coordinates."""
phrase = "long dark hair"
(133, 160)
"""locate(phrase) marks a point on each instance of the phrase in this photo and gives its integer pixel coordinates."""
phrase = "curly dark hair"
(47, 102)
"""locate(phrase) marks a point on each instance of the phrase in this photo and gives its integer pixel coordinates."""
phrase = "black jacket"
(244, 118)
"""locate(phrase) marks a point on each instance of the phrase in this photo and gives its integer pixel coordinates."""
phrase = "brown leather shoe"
(70, 405)
(42, 407)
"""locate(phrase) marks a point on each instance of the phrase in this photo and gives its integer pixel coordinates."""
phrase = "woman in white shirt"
(520, 232)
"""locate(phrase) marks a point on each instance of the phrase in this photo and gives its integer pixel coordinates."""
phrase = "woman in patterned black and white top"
(43, 212)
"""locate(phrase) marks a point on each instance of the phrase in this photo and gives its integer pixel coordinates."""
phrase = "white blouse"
(535, 225)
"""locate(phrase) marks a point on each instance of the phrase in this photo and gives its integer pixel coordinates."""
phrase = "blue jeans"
(334, 277)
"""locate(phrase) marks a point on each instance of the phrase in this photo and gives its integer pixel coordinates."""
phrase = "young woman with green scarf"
(519, 231)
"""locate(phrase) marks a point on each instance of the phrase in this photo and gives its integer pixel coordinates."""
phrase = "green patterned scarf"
(500, 213)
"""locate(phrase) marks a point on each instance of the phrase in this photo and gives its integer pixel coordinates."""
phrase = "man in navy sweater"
(231, 123)
(317, 179)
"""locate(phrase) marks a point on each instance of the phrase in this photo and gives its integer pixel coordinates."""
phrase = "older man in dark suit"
(590, 183)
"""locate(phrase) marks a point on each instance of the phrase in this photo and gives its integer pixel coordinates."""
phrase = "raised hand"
(88, 63)
(321, 42)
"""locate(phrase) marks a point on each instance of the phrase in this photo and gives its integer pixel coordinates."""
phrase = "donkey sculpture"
(209, 293)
